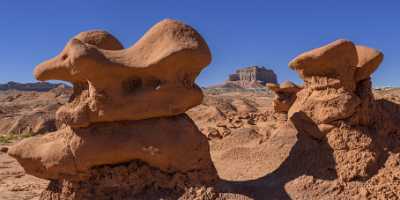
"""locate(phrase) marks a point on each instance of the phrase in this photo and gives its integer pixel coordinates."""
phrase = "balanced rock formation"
(127, 109)
(153, 70)
(285, 95)
(337, 104)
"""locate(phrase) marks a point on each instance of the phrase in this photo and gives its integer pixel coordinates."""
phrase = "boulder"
(163, 63)
(332, 74)
(368, 61)
(127, 109)
(285, 95)
(101, 39)
(171, 144)
(332, 65)
(337, 105)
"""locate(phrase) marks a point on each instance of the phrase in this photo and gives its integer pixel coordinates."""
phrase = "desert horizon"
(199, 100)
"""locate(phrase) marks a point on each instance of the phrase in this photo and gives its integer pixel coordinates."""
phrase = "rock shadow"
(308, 156)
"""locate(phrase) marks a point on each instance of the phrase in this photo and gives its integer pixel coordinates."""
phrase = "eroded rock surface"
(127, 105)
(285, 95)
(337, 105)
(159, 142)
(163, 63)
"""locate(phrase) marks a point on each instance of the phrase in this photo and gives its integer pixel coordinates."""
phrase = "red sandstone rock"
(169, 144)
(285, 95)
(163, 63)
(337, 104)
(127, 107)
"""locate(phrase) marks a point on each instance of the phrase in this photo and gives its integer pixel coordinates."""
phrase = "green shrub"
(9, 138)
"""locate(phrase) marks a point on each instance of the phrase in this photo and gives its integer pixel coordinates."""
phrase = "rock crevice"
(337, 105)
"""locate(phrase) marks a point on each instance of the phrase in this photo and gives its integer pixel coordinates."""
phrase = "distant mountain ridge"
(38, 86)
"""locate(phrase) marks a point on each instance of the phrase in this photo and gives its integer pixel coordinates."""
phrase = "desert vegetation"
(135, 125)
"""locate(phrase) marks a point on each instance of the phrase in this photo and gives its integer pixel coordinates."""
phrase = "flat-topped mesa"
(252, 77)
(285, 95)
(337, 105)
(162, 64)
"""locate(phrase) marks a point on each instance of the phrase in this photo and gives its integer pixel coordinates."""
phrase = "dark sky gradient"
(239, 33)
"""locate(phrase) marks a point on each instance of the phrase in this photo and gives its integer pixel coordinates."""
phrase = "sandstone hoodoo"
(252, 76)
(285, 95)
(126, 117)
(337, 105)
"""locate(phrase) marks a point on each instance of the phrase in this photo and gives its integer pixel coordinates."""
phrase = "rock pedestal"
(285, 95)
(337, 104)
(125, 131)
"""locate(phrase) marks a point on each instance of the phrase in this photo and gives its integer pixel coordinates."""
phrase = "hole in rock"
(132, 85)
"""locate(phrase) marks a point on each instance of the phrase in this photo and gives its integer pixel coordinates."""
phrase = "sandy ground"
(253, 160)
(15, 184)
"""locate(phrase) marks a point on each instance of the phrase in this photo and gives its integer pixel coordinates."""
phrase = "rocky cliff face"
(253, 77)
(254, 73)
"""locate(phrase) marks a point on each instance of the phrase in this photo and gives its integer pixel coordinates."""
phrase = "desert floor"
(252, 159)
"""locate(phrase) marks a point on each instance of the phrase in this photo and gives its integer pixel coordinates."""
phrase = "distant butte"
(249, 78)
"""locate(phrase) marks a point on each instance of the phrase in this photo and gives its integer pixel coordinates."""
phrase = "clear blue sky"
(239, 33)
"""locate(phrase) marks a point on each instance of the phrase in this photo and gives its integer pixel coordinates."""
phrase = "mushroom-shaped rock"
(332, 74)
(369, 60)
(336, 62)
(156, 75)
(328, 73)
(285, 95)
(127, 109)
(336, 104)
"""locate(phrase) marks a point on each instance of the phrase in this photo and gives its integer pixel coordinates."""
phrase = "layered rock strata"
(127, 108)
(337, 105)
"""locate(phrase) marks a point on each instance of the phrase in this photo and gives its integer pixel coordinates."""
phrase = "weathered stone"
(163, 63)
(101, 39)
(337, 104)
(127, 107)
(332, 65)
(171, 144)
(4, 149)
(234, 77)
(285, 95)
(368, 61)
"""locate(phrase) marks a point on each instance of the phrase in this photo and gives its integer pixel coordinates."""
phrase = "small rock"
(213, 133)
(363, 192)
(4, 149)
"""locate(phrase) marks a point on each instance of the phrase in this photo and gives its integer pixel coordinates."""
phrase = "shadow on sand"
(307, 157)
(313, 157)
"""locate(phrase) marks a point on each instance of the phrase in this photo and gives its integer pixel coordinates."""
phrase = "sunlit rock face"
(285, 95)
(337, 105)
(127, 107)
